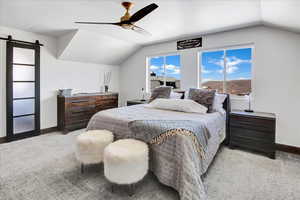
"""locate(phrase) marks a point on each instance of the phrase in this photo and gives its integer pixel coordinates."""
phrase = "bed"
(175, 162)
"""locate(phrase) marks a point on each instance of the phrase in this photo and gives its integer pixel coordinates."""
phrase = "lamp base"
(247, 110)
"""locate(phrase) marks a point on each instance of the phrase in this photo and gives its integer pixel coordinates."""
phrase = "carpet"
(44, 168)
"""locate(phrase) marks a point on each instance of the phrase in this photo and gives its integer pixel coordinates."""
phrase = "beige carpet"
(44, 168)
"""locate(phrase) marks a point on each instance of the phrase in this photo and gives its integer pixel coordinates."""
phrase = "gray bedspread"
(175, 162)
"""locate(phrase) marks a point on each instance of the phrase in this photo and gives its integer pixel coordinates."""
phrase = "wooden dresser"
(254, 131)
(74, 112)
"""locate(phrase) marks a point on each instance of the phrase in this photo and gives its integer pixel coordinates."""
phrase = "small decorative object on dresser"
(136, 101)
(74, 112)
(107, 77)
(65, 92)
(253, 131)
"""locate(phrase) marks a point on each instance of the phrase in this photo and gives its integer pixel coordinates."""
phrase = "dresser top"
(254, 114)
(93, 94)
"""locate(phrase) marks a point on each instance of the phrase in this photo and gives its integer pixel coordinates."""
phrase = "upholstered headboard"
(227, 108)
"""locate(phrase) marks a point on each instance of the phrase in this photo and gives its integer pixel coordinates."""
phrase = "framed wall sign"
(190, 43)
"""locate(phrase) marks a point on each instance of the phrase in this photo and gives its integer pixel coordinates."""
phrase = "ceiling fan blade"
(140, 30)
(99, 23)
(142, 13)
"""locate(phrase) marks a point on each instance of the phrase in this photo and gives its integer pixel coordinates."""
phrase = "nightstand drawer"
(253, 144)
(253, 127)
(241, 132)
(252, 123)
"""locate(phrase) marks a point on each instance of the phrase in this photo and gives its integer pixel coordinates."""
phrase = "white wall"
(276, 85)
(55, 74)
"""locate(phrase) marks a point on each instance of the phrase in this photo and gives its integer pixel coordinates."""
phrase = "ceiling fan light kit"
(128, 21)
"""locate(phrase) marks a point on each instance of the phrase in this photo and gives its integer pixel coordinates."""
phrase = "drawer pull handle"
(80, 101)
(80, 111)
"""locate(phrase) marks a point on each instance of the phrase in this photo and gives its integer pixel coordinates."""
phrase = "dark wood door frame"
(9, 90)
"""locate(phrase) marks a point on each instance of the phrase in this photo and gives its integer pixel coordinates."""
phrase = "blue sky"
(238, 64)
(172, 66)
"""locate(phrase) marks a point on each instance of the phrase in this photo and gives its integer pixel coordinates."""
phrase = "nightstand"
(253, 131)
(135, 102)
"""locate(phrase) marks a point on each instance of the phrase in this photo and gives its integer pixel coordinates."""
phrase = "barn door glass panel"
(23, 90)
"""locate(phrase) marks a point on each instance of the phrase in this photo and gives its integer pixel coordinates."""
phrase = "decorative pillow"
(175, 95)
(218, 102)
(203, 96)
(160, 92)
(182, 105)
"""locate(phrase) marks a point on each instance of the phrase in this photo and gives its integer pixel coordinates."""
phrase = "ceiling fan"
(128, 21)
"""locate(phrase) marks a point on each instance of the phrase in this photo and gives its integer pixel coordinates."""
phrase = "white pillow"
(175, 95)
(218, 102)
(182, 105)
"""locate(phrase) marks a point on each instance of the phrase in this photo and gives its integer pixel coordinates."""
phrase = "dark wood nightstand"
(253, 131)
(135, 102)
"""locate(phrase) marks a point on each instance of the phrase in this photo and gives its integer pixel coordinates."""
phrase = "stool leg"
(131, 189)
(82, 168)
(112, 188)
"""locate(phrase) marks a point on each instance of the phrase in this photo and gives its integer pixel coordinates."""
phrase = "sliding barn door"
(23, 90)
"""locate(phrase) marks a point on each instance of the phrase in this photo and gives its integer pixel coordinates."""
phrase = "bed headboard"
(227, 108)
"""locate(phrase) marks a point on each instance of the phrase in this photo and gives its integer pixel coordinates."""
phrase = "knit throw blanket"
(158, 131)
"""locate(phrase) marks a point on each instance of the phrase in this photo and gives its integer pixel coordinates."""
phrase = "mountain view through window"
(227, 70)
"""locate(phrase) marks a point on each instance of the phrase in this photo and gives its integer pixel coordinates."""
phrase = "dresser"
(254, 131)
(74, 112)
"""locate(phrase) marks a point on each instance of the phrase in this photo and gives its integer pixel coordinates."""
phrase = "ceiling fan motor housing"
(127, 5)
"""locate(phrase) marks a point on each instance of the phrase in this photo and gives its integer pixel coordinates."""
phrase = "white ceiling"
(173, 19)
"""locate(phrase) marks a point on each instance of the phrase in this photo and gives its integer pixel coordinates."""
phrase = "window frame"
(148, 84)
(225, 49)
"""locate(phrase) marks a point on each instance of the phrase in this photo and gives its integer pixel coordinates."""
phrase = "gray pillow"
(203, 96)
(161, 92)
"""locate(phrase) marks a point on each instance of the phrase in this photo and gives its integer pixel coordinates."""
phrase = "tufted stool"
(90, 146)
(126, 161)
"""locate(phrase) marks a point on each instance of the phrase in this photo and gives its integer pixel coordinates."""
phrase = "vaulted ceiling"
(173, 19)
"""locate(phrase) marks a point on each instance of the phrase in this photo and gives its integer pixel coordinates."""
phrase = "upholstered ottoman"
(90, 146)
(126, 161)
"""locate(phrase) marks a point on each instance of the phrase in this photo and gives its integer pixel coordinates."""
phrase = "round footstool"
(90, 146)
(126, 161)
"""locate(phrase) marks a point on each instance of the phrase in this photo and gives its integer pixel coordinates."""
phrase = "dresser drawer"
(236, 131)
(80, 102)
(77, 121)
(106, 97)
(78, 116)
(105, 107)
(75, 126)
(106, 104)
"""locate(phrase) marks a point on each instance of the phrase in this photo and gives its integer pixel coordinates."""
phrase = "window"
(227, 70)
(164, 70)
